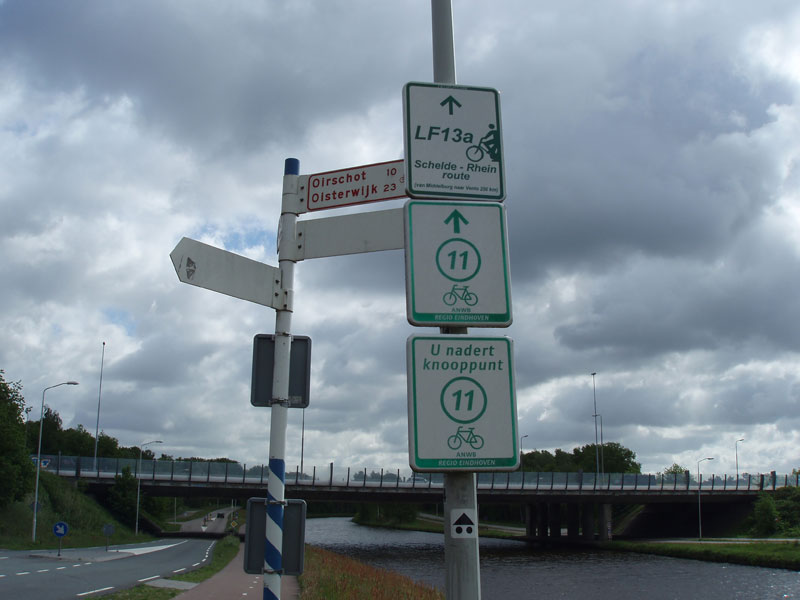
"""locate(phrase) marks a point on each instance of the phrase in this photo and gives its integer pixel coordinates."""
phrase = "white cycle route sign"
(453, 142)
(462, 413)
(457, 270)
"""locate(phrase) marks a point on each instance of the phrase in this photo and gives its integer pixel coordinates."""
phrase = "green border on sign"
(408, 158)
(426, 319)
(505, 463)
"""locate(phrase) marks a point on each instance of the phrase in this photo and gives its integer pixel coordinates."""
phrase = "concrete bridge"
(583, 501)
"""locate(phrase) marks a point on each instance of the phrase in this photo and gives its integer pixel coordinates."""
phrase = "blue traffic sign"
(60, 529)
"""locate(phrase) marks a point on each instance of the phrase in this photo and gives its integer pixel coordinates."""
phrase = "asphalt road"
(210, 523)
(90, 572)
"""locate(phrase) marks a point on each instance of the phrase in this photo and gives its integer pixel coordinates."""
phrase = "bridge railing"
(386, 478)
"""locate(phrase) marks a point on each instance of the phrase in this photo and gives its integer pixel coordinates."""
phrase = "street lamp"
(602, 445)
(99, 394)
(736, 448)
(139, 480)
(520, 441)
(699, 514)
(596, 451)
(39, 457)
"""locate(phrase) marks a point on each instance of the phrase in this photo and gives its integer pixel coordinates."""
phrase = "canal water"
(511, 570)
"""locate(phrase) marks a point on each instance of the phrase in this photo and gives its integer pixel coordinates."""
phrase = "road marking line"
(179, 570)
(95, 591)
(148, 578)
(1, 576)
(42, 570)
(148, 549)
(24, 573)
(195, 564)
(78, 565)
(60, 568)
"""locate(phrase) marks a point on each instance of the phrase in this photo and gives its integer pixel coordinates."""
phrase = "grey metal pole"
(276, 496)
(736, 448)
(139, 481)
(461, 554)
(39, 458)
(444, 56)
(99, 394)
(602, 446)
(699, 512)
(138, 489)
(596, 451)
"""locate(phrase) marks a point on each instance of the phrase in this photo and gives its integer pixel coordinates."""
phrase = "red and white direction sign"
(356, 185)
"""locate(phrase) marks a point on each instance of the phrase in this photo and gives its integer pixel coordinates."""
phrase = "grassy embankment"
(60, 501)
(774, 554)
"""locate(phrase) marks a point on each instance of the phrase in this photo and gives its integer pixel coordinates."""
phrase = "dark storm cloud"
(229, 80)
(652, 168)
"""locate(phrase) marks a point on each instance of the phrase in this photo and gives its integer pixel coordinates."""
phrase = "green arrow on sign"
(455, 217)
(451, 102)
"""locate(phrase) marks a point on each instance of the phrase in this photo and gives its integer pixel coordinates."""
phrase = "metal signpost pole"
(273, 548)
(462, 577)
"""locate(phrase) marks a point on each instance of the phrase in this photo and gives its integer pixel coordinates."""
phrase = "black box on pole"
(263, 368)
(294, 536)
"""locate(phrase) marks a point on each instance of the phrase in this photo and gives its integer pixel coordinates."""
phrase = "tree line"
(611, 458)
(19, 440)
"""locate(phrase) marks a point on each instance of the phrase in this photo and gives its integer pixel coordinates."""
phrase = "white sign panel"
(462, 413)
(457, 270)
(349, 234)
(228, 273)
(356, 185)
(453, 142)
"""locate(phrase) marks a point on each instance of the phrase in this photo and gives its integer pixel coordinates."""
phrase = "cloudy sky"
(653, 193)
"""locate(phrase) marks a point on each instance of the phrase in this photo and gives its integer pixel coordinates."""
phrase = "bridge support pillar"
(541, 519)
(573, 521)
(530, 520)
(605, 522)
(554, 519)
(587, 522)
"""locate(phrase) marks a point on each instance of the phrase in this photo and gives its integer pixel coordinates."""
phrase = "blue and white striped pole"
(273, 564)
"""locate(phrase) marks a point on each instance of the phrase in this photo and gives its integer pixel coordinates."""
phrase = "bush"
(765, 515)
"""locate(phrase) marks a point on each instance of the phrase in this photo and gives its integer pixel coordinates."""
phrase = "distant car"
(417, 479)
(220, 515)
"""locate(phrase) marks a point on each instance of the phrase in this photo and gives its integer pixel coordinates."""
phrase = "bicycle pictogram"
(460, 292)
(488, 144)
(465, 434)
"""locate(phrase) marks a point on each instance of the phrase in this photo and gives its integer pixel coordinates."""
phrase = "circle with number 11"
(463, 400)
(458, 259)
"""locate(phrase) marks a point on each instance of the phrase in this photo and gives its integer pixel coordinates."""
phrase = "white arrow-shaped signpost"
(227, 273)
